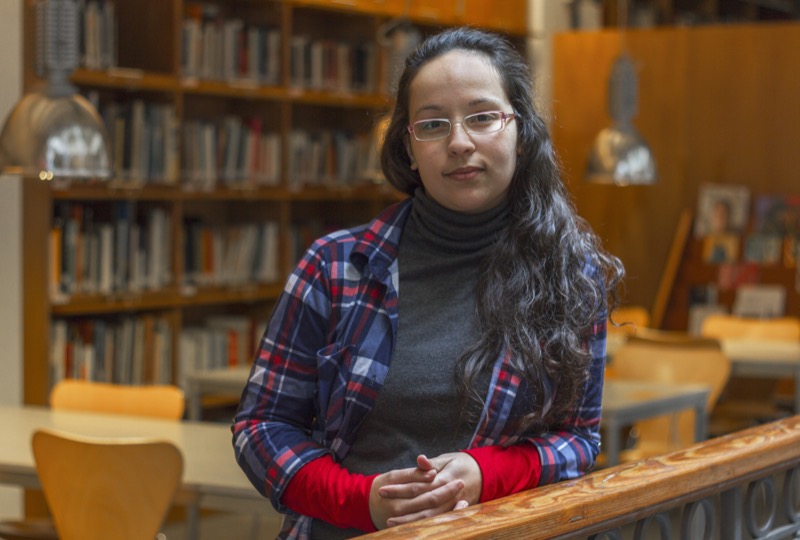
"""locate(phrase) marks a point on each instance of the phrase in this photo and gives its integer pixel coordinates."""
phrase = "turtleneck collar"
(456, 232)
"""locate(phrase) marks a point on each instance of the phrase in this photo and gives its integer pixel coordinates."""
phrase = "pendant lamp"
(619, 154)
(55, 131)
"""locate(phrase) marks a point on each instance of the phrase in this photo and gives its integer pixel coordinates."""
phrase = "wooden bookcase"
(149, 68)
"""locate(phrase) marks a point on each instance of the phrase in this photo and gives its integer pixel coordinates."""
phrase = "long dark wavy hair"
(537, 296)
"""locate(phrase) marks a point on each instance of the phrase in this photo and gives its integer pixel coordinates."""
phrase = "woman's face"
(462, 172)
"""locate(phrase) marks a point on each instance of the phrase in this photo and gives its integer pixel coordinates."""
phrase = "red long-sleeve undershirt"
(323, 489)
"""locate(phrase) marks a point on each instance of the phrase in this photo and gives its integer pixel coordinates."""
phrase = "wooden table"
(228, 382)
(763, 358)
(626, 402)
(211, 476)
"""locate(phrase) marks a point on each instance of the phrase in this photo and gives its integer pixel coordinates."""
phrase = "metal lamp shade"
(56, 131)
(62, 136)
(619, 153)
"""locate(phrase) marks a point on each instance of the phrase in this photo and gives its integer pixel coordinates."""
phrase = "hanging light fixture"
(619, 154)
(55, 131)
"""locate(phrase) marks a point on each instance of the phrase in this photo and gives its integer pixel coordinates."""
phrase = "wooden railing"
(740, 486)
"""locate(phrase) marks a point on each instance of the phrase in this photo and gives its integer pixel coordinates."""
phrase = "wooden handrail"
(608, 498)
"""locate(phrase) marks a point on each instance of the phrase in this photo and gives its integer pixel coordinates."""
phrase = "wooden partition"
(745, 485)
(716, 103)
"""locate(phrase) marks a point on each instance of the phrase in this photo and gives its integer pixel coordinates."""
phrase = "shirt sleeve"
(325, 490)
(570, 449)
(273, 424)
(495, 461)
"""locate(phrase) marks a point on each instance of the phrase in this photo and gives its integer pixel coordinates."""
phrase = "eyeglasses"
(482, 123)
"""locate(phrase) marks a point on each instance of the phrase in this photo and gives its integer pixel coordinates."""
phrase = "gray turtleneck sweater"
(417, 411)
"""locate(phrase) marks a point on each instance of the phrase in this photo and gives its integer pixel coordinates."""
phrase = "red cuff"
(323, 489)
(507, 470)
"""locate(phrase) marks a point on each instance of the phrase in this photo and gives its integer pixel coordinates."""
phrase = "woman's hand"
(405, 495)
(442, 474)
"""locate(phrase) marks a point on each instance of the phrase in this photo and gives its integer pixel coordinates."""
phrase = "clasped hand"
(437, 485)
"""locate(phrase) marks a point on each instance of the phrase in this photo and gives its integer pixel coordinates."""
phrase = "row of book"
(333, 65)
(234, 151)
(228, 49)
(118, 248)
(222, 341)
(231, 255)
(333, 158)
(98, 34)
(103, 250)
(122, 350)
(144, 139)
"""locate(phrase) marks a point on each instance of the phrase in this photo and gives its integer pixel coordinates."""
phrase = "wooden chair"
(156, 401)
(628, 319)
(670, 357)
(107, 488)
(159, 401)
(623, 322)
(748, 401)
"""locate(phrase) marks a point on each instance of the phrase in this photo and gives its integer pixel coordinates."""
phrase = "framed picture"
(721, 209)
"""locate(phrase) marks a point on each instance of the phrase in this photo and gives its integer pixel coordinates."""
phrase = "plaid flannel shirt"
(326, 352)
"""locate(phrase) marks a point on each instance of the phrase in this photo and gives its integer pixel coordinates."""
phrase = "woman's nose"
(459, 140)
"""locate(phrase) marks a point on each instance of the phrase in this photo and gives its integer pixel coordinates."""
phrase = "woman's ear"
(411, 155)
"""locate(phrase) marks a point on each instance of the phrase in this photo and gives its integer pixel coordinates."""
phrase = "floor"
(223, 526)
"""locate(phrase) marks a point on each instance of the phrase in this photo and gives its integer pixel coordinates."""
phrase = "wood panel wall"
(717, 104)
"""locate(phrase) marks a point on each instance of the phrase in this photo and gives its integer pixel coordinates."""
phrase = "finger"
(404, 476)
(415, 516)
(409, 490)
(424, 463)
(444, 495)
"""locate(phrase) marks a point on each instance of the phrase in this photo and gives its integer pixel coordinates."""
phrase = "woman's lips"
(463, 173)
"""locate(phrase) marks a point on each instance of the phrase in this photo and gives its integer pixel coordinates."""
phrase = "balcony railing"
(741, 486)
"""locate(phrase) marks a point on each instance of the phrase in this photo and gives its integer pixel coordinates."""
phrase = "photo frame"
(722, 209)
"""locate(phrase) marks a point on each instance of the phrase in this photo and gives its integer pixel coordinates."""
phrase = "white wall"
(10, 237)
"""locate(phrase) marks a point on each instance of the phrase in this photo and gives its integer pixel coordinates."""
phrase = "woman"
(490, 361)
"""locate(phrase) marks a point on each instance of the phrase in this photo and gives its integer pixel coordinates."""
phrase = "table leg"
(195, 407)
(700, 422)
(612, 445)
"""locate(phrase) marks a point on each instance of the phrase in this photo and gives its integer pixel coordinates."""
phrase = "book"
(760, 301)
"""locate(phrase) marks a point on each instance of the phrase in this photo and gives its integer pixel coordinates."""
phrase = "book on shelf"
(235, 151)
(234, 255)
(220, 342)
(122, 350)
(126, 252)
(333, 158)
(333, 66)
(777, 215)
(760, 301)
(97, 34)
(228, 49)
(763, 248)
(144, 140)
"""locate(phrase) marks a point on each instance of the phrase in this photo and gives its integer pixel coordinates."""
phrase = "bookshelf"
(225, 169)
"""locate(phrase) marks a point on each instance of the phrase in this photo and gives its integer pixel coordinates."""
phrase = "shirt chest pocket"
(347, 387)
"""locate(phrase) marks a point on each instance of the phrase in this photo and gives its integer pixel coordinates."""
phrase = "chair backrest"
(672, 357)
(721, 325)
(628, 320)
(100, 488)
(159, 401)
